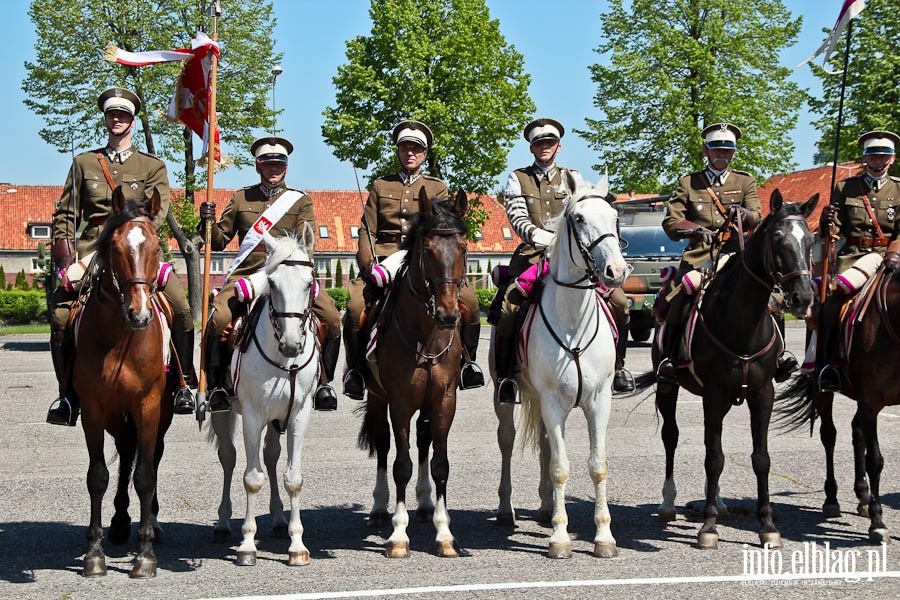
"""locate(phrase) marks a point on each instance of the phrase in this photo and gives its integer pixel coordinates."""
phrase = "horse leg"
(120, 526)
(708, 537)
(223, 425)
(860, 459)
(545, 485)
(597, 416)
(271, 452)
(666, 403)
(154, 504)
(253, 482)
(377, 422)
(145, 485)
(760, 415)
(828, 435)
(878, 532)
(424, 503)
(298, 554)
(554, 422)
(506, 439)
(97, 482)
(397, 545)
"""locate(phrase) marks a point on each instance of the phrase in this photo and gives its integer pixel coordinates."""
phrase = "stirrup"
(184, 401)
(508, 391)
(829, 379)
(219, 401)
(623, 381)
(787, 364)
(354, 385)
(471, 376)
(62, 412)
(325, 398)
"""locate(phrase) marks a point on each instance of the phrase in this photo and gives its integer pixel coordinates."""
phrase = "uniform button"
(404, 210)
(406, 199)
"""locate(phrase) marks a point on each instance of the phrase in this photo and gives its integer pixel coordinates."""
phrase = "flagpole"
(212, 151)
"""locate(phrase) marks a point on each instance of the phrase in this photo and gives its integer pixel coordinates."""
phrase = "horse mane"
(443, 216)
(282, 248)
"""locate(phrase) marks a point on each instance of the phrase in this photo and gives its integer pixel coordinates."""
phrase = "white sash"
(265, 222)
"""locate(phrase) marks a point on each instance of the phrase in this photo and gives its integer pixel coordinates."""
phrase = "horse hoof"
(446, 549)
(771, 539)
(558, 550)
(144, 568)
(245, 558)
(298, 559)
(545, 518)
(708, 541)
(666, 514)
(378, 519)
(605, 550)
(879, 536)
(424, 515)
(831, 510)
(221, 536)
(506, 519)
(94, 566)
(863, 510)
(397, 550)
(280, 532)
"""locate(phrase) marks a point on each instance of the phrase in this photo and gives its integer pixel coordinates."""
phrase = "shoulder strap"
(102, 158)
(875, 224)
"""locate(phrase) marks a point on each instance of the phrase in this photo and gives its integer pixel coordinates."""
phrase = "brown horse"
(416, 369)
(119, 375)
(869, 377)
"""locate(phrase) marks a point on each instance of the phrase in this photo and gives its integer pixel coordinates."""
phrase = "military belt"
(861, 242)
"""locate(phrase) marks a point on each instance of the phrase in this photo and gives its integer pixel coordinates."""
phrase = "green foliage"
(341, 296)
(443, 62)
(339, 274)
(22, 281)
(485, 296)
(352, 274)
(2, 278)
(329, 281)
(22, 306)
(676, 66)
(871, 99)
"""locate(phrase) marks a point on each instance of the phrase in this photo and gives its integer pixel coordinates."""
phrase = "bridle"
(275, 315)
(121, 285)
(768, 258)
(590, 265)
(428, 297)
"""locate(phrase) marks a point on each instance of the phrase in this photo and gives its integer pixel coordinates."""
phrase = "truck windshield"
(650, 241)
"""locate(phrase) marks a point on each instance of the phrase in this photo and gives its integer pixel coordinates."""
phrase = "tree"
(62, 84)
(676, 66)
(339, 274)
(442, 62)
(22, 281)
(871, 100)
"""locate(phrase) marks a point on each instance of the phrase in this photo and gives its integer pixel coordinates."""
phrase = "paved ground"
(44, 510)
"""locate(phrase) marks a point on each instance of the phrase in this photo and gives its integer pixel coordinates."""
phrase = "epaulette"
(150, 154)
(431, 177)
(897, 179)
(741, 173)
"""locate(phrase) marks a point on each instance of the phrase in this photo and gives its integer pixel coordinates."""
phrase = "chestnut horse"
(120, 377)
(869, 378)
(416, 369)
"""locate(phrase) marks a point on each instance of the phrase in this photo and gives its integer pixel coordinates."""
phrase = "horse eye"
(579, 218)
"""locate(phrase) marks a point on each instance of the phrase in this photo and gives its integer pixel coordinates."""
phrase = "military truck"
(648, 249)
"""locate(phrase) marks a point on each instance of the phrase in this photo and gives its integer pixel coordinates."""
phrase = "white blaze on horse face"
(798, 232)
(136, 239)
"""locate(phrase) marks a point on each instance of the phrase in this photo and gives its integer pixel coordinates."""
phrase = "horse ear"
(810, 205)
(270, 241)
(155, 203)
(118, 200)
(425, 207)
(602, 187)
(462, 203)
(308, 237)
(775, 201)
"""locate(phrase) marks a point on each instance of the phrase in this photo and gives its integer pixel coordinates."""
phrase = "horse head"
(129, 253)
(788, 250)
(291, 288)
(437, 256)
(589, 224)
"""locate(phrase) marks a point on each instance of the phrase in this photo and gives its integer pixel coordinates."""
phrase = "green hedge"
(485, 296)
(341, 296)
(18, 306)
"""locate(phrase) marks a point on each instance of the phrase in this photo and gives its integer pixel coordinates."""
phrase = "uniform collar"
(270, 193)
(410, 178)
(716, 177)
(540, 171)
(118, 157)
(873, 182)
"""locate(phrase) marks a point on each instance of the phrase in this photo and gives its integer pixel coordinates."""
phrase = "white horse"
(570, 332)
(276, 377)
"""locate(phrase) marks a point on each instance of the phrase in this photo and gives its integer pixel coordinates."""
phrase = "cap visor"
(722, 144)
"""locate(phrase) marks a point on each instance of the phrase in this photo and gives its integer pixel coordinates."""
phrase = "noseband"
(428, 299)
(768, 258)
(590, 265)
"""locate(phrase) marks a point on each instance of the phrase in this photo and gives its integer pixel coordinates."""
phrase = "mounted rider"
(86, 199)
(535, 196)
(270, 206)
(390, 207)
(865, 210)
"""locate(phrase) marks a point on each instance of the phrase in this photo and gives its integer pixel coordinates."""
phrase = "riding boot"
(216, 374)
(470, 375)
(184, 347)
(496, 308)
(678, 306)
(787, 363)
(505, 363)
(64, 410)
(354, 380)
(623, 380)
(325, 397)
(828, 335)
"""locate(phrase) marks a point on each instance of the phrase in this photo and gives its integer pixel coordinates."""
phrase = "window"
(322, 265)
(354, 232)
(473, 266)
(35, 266)
(40, 232)
(216, 266)
(323, 231)
(507, 233)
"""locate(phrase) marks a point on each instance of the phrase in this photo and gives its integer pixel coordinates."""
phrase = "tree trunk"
(189, 251)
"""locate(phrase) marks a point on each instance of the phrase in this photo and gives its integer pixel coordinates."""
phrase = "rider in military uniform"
(535, 195)
(86, 198)
(392, 203)
(865, 210)
(244, 209)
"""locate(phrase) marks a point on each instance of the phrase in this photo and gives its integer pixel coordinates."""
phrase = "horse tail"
(794, 406)
(213, 436)
(366, 440)
(531, 422)
(644, 381)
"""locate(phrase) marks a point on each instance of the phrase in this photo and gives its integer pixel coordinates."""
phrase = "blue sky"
(557, 40)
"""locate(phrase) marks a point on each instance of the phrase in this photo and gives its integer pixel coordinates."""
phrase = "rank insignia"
(890, 213)
(134, 185)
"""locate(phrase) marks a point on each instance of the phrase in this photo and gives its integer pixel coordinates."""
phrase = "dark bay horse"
(734, 350)
(870, 378)
(120, 377)
(416, 369)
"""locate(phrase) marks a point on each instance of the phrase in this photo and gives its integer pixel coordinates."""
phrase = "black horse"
(734, 353)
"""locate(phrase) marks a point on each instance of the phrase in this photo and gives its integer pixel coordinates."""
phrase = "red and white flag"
(190, 103)
(849, 10)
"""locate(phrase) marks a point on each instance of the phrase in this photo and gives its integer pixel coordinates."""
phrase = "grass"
(24, 329)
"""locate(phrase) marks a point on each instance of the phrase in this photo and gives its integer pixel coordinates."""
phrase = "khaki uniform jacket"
(242, 212)
(692, 202)
(853, 221)
(389, 208)
(87, 196)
